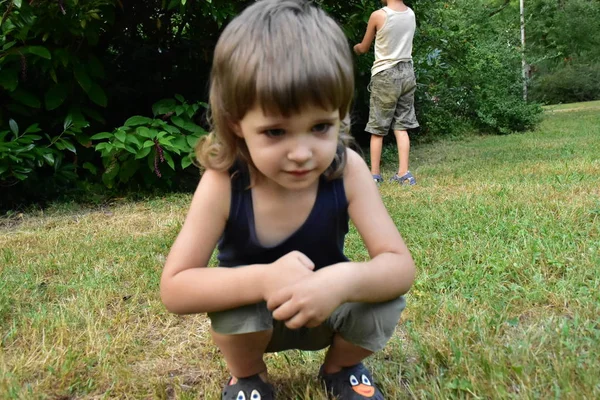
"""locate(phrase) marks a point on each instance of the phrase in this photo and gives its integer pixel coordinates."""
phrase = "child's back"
(394, 41)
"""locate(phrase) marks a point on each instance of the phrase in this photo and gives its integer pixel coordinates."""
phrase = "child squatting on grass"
(279, 187)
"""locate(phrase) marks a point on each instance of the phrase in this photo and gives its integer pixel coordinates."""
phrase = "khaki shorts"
(367, 325)
(392, 102)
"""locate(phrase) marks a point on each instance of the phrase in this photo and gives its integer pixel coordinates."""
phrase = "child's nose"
(300, 153)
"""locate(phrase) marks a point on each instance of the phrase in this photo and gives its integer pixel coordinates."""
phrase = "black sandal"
(250, 388)
(351, 383)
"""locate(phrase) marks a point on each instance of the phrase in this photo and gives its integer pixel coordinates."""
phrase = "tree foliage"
(72, 68)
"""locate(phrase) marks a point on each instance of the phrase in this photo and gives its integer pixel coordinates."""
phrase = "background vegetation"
(104, 95)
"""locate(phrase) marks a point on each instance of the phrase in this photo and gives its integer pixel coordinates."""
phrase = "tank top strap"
(240, 181)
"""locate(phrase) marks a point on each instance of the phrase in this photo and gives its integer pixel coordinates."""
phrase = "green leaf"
(17, 3)
(68, 122)
(49, 157)
(185, 1)
(145, 132)
(90, 167)
(172, 129)
(192, 140)
(186, 162)
(169, 159)
(120, 135)
(82, 77)
(143, 153)
(134, 139)
(55, 97)
(34, 128)
(128, 169)
(69, 146)
(148, 143)
(40, 51)
(180, 98)
(9, 45)
(9, 79)
(14, 127)
(25, 98)
(110, 174)
(138, 120)
(102, 135)
(180, 122)
(97, 95)
(163, 106)
(180, 143)
(173, 4)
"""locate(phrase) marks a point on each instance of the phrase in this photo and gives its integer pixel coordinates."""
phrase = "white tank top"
(393, 42)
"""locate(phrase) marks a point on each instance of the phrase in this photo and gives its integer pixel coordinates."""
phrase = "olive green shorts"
(392, 102)
(367, 325)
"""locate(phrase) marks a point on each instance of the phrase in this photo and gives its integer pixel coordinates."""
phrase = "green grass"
(589, 105)
(504, 230)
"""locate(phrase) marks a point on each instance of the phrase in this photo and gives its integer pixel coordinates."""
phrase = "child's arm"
(375, 23)
(391, 270)
(389, 274)
(187, 286)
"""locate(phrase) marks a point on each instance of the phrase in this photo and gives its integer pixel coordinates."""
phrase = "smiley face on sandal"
(253, 396)
(364, 387)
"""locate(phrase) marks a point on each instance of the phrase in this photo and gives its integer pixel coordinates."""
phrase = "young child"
(392, 85)
(279, 187)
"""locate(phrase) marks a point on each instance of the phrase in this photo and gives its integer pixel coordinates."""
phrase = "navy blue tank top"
(321, 236)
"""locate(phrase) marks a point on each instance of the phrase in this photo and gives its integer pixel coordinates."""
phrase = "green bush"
(169, 137)
(567, 84)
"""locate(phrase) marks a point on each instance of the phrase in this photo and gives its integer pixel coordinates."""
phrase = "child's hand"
(306, 303)
(286, 271)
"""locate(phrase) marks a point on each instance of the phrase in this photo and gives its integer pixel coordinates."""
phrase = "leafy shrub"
(168, 138)
(567, 84)
(22, 153)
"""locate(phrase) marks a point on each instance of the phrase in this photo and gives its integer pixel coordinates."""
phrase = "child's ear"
(236, 128)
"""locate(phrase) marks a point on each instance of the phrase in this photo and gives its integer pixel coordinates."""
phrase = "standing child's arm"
(187, 286)
(376, 21)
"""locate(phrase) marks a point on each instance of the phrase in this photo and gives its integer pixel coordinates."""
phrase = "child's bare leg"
(403, 142)
(342, 354)
(376, 146)
(244, 353)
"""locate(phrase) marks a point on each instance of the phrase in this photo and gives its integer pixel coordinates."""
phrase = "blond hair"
(281, 55)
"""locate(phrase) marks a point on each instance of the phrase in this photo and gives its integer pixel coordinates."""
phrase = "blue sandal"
(251, 388)
(377, 178)
(406, 179)
(351, 383)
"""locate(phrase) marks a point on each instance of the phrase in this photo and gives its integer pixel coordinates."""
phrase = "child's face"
(291, 151)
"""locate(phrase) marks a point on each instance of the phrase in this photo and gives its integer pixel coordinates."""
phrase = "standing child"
(279, 188)
(393, 84)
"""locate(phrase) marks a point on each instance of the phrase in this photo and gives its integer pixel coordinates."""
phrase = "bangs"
(302, 78)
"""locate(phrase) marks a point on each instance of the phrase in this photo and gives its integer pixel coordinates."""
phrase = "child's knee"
(368, 325)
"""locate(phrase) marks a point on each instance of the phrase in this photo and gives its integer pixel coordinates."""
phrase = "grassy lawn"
(589, 105)
(504, 230)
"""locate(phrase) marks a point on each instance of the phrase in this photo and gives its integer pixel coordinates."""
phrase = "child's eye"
(274, 133)
(321, 128)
